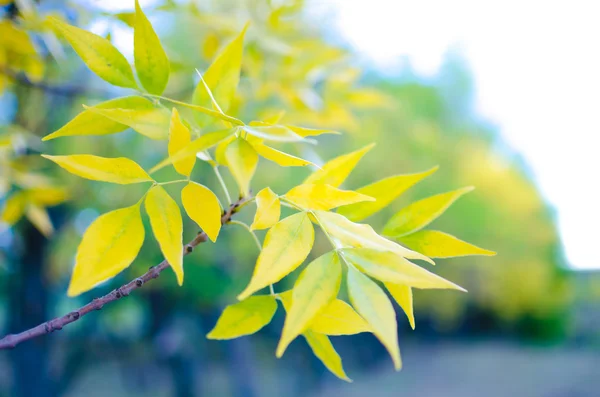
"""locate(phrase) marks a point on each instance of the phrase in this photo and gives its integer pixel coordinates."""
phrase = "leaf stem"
(222, 183)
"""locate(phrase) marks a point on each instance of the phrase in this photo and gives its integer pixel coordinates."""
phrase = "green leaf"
(179, 138)
(392, 268)
(420, 213)
(244, 318)
(437, 244)
(89, 122)
(358, 235)
(268, 210)
(150, 122)
(323, 349)
(403, 295)
(384, 192)
(242, 160)
(108, 246)
(375, 307)
(98, 54)
(335, 171)
(119, 170)
(316, 287)
(286, 246)
(203, 207)
(151, 62)
(323, 197)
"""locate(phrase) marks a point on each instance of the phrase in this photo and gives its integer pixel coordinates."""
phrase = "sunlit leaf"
(323, 197)
(420, 213)
(339, 318)
(281, 158)
(437, 244)
(98, 54)
(374, 306)
(244, 318)
(150, 122)
(358, 235)
(316, 287)
(179, 138)
(14, 208)
(242, 160)
(323, 349)
(151, 62)
(277, 133)
(392, 268)
(39, 217)
(109, 245)
(167, 227)
(335, 171)
(286, 246)
(268, 210)
(306, 132)
(47, 196)
(116, 170)
(403, 295)
(384, 191)
(203, 207)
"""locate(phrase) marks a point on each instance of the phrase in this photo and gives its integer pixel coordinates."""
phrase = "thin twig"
(12, 340)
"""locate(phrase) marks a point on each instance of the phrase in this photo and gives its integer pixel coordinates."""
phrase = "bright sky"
(536, 68)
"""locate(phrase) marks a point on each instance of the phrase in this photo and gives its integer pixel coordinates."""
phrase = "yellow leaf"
(167, 226)
(89, 122)
(358, 235)
(420, 213)
(335, 171)
(203, 207)
(221, 77)
(150, 122)
(199, 145)
(109, 245)
(306, 132)
(39, 217)
(277, 133)
(339, 318)
(323, 349)
(323, 197)
(404, 296)
(220, 150)
(116, 170)
(241, 160)
(98, 54)
(209, 112)
(286, 246)
(316, 287)
(14, 208)
(268, 210)
(244, 318)
(437, 244)
(47, 196)
(281, 158)
(375, 307)
(393, 268)
(151, 62)
(179, 138)
(384, 191)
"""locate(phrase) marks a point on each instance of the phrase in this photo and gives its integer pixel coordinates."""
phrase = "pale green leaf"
(179, 138)
(244, 318)
(323, 197)
(268, 210)
(277, 133)
(437, 244)
(150, 122)
(203, 207)
(403, 295)
(323, 349)
(242, 160)
(335, 171)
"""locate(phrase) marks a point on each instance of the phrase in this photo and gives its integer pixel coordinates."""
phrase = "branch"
(12, 340)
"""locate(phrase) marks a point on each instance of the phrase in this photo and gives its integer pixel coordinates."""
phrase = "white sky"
(536, 67)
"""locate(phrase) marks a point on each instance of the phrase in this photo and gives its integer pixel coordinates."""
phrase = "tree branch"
(56, 324)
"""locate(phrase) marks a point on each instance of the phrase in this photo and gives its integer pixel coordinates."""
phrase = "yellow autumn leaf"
(150, 122)
(436, 244)
(244, 318)
(14, 208)
(384, 192)
(167, 227)
(323, 349)
(335, 171)
(276, 133)
(98, 54)
(339, 318)
(306, 132)
(286, 246)
(220, 150)
(206, 141)
(316, 287)
(179, 138)
(119, 170)
(203, 207)
(221, 77)
(403, 295)
(47, 196)
(323, 197)
(420, 213)
(151, 62)
(108, 246)
(89, 122)
(268, 210)
(281, 158)
(39, 217)
(359, 235)
(242, 160)
(392, 268)
(377, 310)
(208, 112)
